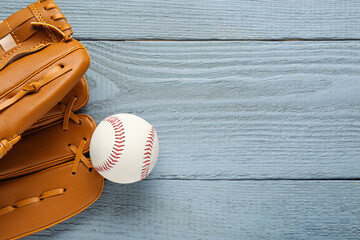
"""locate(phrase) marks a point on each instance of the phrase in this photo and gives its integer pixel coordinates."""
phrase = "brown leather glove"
(46, 178)
(40, 63)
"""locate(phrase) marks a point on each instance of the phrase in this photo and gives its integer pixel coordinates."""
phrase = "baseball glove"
(40, 63)
(47, 177)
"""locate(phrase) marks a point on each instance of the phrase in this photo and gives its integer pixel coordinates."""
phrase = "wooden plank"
(237, 110)
(207, 19)
(160, 209)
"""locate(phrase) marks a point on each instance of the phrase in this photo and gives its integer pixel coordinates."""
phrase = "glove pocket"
(40, 200)
(48, 146)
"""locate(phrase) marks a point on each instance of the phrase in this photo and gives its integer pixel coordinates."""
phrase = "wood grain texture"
(227, 114)
(163, 209)
(207, 19)
(237, 110)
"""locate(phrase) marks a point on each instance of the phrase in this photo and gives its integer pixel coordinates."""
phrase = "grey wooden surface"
(258, 139)
(237, 110)
(207, 19)
(195, 209)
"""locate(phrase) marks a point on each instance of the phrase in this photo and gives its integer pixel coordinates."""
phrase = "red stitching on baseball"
(118, 146)
(112, 163)
(147, 153)
(114, 155)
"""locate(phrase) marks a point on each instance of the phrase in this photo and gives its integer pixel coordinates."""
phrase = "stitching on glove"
(11, 31)
(31, 200)
(11, 52)
(44, 43)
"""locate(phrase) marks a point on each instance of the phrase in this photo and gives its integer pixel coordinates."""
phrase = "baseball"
(124, 148)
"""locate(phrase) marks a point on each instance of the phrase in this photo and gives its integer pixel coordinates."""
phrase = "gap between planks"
(224, 40)
(253, 179)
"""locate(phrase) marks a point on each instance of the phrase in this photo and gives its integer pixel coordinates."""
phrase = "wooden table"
(257, 107)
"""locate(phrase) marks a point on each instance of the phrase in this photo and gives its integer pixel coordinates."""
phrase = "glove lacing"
(78, 151)
(79, 156)
(56, 17)
(6, 145)
(34, 87)
(27, 201)
(68, 114)
(66, 37)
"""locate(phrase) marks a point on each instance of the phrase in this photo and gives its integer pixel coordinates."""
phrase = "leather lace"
(31, 88)
(57, 16)
(79, 157)
(6, 145)
(31, 200)
(66, 37)
(68, 113)
(34, 87)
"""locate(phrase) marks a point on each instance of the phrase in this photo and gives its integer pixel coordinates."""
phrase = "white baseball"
(124, 148)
